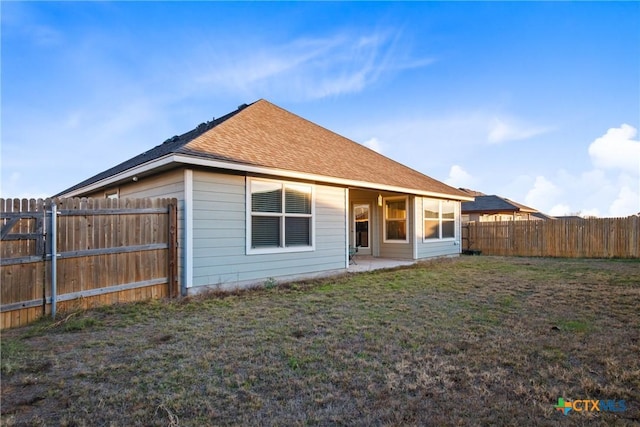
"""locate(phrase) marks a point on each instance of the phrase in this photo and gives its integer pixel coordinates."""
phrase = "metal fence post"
(54, 258)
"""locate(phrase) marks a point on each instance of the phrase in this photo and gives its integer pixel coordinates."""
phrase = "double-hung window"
(439, 219)
(280, 216)
(395, 220)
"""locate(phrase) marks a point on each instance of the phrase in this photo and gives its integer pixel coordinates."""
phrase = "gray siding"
(436, 248)
(168, 184)
(399, 250)
(219, 238)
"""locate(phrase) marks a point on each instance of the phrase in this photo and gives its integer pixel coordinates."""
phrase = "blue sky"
(535, 101)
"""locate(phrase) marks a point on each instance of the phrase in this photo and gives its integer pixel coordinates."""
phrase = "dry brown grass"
(469, 341)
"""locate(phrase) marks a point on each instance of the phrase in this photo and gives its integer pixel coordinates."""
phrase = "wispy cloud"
(412, 139)
(18, 20)
(510, 129)
(310, 68)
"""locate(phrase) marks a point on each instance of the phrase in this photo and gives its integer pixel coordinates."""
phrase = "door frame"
(362, 250)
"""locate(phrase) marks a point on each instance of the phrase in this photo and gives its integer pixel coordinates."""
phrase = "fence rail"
(106, 251)
(576, 238)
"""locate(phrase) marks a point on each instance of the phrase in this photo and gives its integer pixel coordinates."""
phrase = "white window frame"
(385, 219)
(282, 215)
(112, 194)
(456, 216)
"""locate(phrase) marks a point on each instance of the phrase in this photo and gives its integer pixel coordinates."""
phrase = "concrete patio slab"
(369, 263)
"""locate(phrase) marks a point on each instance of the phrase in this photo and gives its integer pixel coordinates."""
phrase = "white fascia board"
(198, 161)
(122, 176)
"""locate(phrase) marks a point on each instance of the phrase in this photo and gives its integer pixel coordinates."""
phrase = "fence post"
(54, 258)
(172, 256)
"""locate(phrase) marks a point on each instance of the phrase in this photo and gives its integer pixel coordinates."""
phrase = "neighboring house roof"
(264, 135)
(473, 193)
(494, 204)
(541, 215)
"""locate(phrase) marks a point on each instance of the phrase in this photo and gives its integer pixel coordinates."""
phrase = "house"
(265, 194)
(486, 208)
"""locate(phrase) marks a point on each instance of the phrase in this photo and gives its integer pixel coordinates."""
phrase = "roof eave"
(120, 177)
(181, 159)
(218, 164)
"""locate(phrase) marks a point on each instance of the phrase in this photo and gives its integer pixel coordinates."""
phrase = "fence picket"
(138, 270)
(579, 238)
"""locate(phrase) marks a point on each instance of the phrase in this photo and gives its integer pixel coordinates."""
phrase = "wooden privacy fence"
(59, 254)
(576, 238)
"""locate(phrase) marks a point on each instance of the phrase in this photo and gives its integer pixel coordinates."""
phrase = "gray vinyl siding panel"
(164, 184)
(400, 250)
(396, 250)
(436, 247)
(219, 235)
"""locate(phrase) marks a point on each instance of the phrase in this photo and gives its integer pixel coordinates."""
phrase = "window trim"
(384, 219)
(249, 214)
(456, 216)
(109, 194)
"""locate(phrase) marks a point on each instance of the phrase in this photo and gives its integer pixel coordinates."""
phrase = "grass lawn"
(466, 341)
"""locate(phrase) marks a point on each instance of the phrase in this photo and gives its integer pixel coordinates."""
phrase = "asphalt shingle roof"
(494, 204)
(263, 134)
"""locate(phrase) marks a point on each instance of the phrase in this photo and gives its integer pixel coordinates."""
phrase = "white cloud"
(509, 129)
(627, 203)
(590, 193)
(374, 144)
(617, 149)
(561, 209)
(544, 195)
(458, 177)
(589, 213)
(612, 188)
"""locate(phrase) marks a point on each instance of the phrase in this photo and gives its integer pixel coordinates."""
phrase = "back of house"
(265, 194)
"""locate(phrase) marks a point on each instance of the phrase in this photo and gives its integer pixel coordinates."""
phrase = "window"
(395, 220)
(111, 194)
(448, 219)
(431, 218)
(439, 219)
(280, 216)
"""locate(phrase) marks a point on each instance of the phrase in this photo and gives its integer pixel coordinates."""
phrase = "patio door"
(362, 228)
